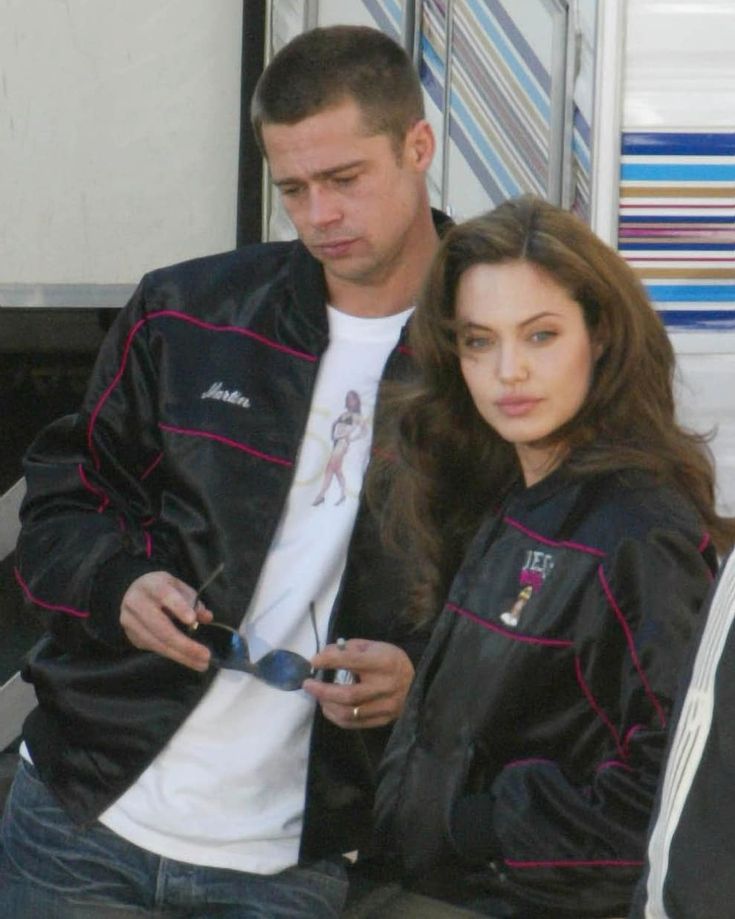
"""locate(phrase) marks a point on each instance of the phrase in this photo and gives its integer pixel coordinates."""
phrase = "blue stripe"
(673, 218)
(655, 144)
(480, 141)
(665, 246)
(581, 152)
(581, 124)
(477, 166)
(524, 49)
(690, 293)
(678, 172)
(540, 101)
(383, 21)
(712, 320)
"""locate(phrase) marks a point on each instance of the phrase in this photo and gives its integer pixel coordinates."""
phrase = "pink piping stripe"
(97, 492)
(596, 708)
(174, 315)
(553, 542)
(152, 466)
(105, 395)
(530, 761)
(51, 606)
(571, 863)
(148, 545)
(631, 647)
(248, 333)
(528, 639)
(225, 440)
(629, 736)
(614, 764)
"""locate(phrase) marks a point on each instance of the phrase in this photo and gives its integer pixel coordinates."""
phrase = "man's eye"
(342, 181)
(289, 191)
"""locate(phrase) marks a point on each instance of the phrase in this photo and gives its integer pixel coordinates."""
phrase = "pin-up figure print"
(349, 426)
(510, 617)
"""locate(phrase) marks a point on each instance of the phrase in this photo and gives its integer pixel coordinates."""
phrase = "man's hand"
(383, 675)
(148, 608)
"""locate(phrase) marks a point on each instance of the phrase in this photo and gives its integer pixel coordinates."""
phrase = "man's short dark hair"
(324, 67)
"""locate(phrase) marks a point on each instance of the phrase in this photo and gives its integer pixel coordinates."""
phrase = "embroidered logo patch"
(217, 392)
(536, 566)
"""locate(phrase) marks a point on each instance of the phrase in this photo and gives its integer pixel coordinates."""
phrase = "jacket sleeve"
(689, 859)
(90, 494)
(551, 821)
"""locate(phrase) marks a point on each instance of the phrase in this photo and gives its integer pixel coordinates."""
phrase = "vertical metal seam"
(447, 113)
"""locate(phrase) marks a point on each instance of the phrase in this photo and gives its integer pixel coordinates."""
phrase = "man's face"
(355, 199)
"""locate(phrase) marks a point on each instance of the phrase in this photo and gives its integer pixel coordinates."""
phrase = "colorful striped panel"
(387, 14)
(500, 96)
(677, 224)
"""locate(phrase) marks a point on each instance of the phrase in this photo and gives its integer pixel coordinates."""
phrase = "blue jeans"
(53, 869)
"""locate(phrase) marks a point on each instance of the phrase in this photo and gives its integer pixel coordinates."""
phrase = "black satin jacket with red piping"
(545, 690)
(152, 474)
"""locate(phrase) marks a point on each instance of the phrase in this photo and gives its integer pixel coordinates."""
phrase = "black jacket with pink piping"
(525, 764)
(182, 456)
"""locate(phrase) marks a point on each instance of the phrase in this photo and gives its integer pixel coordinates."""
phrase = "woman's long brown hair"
(439, 467)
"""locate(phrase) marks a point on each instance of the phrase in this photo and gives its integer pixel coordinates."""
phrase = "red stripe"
(50, 606)
(595, 707)
(514, 636)
(631, 647)
(572, 863)
(579, 547)
(226, 440)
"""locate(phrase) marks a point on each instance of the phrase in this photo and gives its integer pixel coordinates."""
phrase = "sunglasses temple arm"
(207, 581)
(312, 617)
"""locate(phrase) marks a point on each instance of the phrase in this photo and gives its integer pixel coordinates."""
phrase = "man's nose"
(323, 207)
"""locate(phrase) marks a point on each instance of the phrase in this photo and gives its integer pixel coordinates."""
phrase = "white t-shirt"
(228, 790)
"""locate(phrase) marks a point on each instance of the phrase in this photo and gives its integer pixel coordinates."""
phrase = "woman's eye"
(475, 342)
(542, 335)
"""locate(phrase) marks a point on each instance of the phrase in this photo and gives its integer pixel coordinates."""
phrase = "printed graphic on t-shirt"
(349, 426)
(536, 566)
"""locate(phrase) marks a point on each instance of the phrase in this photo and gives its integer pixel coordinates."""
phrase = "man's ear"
(419, 146)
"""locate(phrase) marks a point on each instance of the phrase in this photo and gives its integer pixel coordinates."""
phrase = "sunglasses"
(281, 669)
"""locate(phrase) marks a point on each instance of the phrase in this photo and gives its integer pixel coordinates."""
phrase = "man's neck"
(397, 290)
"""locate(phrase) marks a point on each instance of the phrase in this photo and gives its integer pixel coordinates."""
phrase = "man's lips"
(334, 247)
(514, 406)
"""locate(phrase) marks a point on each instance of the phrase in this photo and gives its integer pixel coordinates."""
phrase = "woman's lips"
(517, 406)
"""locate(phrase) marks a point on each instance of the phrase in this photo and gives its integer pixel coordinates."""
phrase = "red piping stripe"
(579, 547)
(572, 863)
(152, 466)
(225, 440)
(50, 606)
(515, 636)
(596, 708)
(631, 647)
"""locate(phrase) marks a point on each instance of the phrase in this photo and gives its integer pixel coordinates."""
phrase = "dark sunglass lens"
(222, 642)
(284, 669)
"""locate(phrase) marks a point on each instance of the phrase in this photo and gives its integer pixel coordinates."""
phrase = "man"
(159, 785)
(688, 872)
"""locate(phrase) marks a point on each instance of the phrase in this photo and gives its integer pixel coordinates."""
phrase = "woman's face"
(526, 356)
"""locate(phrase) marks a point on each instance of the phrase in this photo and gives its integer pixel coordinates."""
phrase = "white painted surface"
(680, 65)
(119, 127)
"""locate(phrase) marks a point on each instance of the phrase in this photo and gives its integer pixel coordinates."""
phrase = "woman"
(520, 778)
